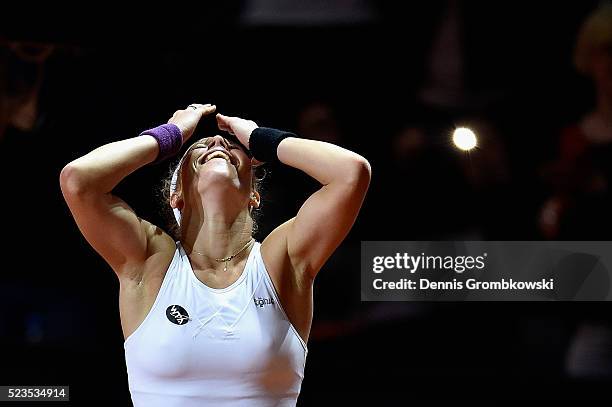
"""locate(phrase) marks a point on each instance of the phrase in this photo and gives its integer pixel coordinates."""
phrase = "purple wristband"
(169, 139)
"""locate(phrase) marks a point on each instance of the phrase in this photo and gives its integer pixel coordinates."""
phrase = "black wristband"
(264, 141)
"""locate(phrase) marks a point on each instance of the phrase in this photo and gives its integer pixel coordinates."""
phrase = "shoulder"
(277, 259)
(159, 253)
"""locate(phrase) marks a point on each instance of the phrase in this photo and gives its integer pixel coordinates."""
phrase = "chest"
(204, 335)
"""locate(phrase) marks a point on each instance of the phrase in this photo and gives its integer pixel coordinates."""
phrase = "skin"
(215, 199)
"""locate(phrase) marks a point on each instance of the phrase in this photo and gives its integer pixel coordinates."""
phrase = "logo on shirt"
(260, 302)
(177, 314)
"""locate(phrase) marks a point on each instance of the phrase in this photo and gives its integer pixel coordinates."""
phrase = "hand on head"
(187, 120)
(241, 128)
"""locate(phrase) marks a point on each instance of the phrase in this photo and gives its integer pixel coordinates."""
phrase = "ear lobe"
(255, 199)
(176, 202)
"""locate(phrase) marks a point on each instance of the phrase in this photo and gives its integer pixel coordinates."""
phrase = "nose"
(218, 141)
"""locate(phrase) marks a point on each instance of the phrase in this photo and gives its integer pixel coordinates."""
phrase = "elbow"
(72, 182)
(365, 168)
(360, 173)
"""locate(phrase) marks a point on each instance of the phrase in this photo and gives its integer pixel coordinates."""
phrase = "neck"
(215, 234)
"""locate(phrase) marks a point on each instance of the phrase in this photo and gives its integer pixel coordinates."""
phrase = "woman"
(215, 318)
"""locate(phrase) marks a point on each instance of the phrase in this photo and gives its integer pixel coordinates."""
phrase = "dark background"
(352, 78)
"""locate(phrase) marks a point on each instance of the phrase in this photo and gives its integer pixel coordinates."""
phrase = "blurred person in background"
(317, 121)
(579, 208)
(580, 177)
(22, 70)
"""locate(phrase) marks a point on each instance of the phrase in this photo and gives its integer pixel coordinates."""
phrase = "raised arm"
(109, 225)
(326, 216)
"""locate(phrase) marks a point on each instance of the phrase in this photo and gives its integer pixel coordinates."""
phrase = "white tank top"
(201, 346)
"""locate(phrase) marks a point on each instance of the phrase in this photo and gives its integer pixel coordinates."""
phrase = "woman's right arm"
(110, 226)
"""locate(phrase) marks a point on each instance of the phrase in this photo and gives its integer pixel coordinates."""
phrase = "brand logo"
(260, 302)
(177, 314)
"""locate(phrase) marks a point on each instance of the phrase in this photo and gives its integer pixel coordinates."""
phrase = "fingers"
(197, 106)
(223, 122)
(202, 109)
(208, 109)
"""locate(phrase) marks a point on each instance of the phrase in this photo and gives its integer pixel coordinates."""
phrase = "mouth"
(221, 153)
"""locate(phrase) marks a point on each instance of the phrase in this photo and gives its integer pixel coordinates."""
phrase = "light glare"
(464, 138)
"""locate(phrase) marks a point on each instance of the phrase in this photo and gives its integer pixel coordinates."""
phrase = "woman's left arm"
(307, 240)
(326, 216)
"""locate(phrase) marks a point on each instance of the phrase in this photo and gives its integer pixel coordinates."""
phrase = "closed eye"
(239, 147)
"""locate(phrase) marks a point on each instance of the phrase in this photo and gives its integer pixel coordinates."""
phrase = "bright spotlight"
(464, 138)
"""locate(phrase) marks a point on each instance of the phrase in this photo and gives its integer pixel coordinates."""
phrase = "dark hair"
(173, 227)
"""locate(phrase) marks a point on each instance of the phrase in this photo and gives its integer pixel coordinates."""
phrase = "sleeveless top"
(201, 346)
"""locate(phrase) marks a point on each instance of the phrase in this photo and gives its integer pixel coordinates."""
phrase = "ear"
(176, 201)
(255, 199)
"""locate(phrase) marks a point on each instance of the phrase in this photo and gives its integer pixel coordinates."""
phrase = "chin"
(218, 175)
